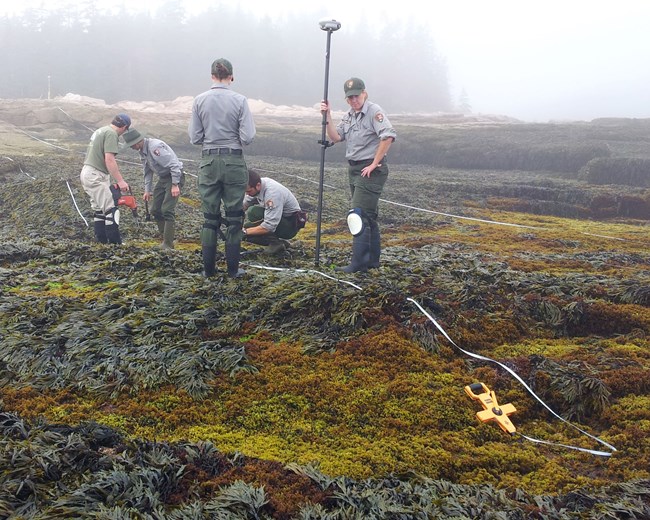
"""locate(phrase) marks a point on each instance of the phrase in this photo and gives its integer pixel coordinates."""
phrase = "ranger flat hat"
(132, 137)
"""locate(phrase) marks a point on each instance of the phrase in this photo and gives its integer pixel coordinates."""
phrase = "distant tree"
(464, 106)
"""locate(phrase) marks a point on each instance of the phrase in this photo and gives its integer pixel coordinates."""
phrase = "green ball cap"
(354, 87)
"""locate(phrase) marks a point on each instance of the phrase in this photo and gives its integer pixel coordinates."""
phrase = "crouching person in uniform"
(273, 214)
(99, 166)
(157, 157)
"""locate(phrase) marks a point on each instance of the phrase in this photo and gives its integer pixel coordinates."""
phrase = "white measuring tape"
(516, 376)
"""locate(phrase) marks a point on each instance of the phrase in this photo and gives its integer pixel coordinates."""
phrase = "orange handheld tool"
(125, 200)
(492, 411)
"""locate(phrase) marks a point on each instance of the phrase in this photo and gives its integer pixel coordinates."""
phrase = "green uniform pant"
(163, 206)
(286, 228)
(222, 180)
(366, 191)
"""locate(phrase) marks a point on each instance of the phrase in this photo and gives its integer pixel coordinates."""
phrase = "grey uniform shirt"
(278, 202)
(221, 118)
(160, 159)
(362, 131)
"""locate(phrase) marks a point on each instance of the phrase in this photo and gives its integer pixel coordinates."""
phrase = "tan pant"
(97, 184)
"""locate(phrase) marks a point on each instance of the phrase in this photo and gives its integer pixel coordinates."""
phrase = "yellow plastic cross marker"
(492, 412)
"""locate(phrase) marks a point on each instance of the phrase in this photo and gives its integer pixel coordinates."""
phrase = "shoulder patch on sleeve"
(379, 117)
(157, 152)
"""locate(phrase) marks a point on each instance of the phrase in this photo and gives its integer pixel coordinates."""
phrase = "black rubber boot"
(112, 219)
(375, 245)
(209, 260)
(100, 231)
(360, 253)
(113, 234)
(232, 260)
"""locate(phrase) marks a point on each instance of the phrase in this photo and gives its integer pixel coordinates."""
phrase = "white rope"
(592, 452)
(461, 217)
(72, 119)
(312, 271)
(299, 177)
(20, 168)
(75, 202)
(27, 174)
(42, 141)
(602, 236)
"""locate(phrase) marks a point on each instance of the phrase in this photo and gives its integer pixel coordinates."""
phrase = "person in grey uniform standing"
(222, 123)
(157, 157)
(368, 135)
(99, 166)
(273, 214)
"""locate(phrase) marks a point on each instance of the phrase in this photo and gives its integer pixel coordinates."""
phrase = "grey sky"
(533, 60)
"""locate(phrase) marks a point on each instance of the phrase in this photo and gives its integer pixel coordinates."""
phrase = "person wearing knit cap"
(158, 158)
(100, 165)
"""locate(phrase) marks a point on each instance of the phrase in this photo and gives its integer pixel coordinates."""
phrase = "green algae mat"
(132, 387)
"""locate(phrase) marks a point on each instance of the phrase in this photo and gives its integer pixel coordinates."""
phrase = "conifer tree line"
(141, 56)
